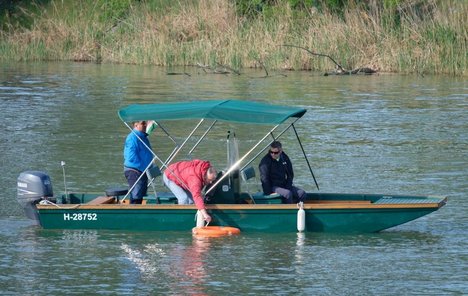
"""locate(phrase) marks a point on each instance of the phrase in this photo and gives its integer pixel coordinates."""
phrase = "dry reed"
(209, 32)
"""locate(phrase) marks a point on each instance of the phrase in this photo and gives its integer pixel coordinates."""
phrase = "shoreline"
(212, 33)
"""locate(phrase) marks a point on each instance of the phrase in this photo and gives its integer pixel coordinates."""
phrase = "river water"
(370, 134)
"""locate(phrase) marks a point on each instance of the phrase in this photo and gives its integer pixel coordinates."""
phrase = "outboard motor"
(33, 186)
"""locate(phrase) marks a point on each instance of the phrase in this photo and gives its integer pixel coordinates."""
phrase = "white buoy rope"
(48, 202)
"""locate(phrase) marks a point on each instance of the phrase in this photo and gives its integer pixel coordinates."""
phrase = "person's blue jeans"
(140, 189)
(296, 194)
(184, 197)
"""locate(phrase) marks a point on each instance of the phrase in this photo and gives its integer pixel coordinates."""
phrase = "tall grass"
(209, 32)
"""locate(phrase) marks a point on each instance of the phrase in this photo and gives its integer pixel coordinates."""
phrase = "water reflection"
(193, 266)
(299, 253)
(177, 267)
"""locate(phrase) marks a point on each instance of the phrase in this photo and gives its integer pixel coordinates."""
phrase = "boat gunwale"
(311, 205)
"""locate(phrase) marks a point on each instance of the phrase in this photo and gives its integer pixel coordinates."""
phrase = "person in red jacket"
(186, 179)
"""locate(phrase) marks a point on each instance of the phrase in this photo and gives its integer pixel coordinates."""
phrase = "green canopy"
(226, 110)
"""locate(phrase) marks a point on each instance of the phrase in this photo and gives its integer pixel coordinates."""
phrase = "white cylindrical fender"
(200, 220)
(301, 217)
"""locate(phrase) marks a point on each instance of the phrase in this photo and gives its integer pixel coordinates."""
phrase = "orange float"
(215, 231)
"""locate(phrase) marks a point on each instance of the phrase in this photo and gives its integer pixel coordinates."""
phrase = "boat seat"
(259, 197)
(102, 200)
(154, 172)
(116, 192)
(163, 197)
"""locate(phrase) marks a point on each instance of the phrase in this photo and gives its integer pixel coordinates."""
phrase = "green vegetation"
(391, 36)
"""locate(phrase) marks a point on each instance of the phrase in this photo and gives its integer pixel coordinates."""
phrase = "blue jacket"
(136, 155)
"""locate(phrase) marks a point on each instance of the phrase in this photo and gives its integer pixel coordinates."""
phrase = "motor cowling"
(32, 187)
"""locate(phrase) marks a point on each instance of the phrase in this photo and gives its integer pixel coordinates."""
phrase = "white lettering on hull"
(80, 217)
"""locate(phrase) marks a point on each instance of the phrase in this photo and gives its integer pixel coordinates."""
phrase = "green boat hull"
(361, 221)
(323, 213)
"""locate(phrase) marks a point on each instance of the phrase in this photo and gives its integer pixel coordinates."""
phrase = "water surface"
(388, 134)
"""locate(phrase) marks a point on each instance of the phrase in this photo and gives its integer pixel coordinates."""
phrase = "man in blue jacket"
(277, 175)
(137, 157)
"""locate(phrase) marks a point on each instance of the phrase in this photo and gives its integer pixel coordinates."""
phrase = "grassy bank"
(170, 33)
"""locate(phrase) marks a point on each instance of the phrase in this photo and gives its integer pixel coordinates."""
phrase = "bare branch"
(317, 54)
(263, 66)
(229, 68)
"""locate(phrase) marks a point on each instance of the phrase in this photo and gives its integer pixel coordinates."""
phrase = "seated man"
(277, 175)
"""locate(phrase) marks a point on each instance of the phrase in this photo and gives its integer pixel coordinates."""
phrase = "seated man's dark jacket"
(275, 173)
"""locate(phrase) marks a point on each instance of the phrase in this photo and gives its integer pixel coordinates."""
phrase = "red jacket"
(189, 175)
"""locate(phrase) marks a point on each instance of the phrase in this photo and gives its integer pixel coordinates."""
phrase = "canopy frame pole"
(236, 164)
(190, 152)
(167, 133)
(174, 154)
(147, 167)
(162, 163)
(269, 143)
(305, 156)
(173, 140)
(202, 137)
